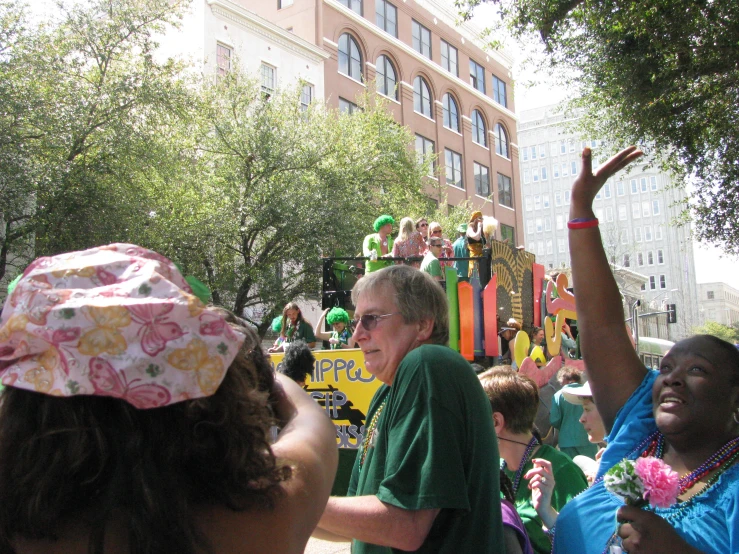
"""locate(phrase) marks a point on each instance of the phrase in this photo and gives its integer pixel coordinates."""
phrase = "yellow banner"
(343, 387)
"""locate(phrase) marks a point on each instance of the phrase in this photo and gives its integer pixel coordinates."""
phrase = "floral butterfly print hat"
(118, 320)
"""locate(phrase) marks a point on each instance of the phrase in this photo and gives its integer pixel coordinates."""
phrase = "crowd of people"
(136, 418)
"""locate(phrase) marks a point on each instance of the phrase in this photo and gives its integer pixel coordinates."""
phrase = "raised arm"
(308, 442)
(320, 334)
(613, 366)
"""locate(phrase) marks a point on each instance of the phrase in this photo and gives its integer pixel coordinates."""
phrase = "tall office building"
(635, 210)
(456, 98)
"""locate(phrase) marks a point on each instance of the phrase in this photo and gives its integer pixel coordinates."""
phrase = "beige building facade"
(718, 302)
(456, 98)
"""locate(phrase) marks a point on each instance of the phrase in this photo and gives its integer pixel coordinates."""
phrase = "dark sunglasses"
(423, 224)
(369, 322)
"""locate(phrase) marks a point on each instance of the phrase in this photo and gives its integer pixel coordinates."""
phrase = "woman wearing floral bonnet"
(686, 414)
(136, 419)
(475, 239)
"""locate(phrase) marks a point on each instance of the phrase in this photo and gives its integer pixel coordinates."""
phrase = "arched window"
(350, 58)
(478, 128)
(501, 141)
(386, 79)
(451, 112)
(422, 97)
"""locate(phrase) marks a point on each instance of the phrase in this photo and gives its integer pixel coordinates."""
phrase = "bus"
(652, 350)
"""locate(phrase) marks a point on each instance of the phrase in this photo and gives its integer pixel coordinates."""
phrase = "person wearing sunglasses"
(422, 226)
(422, 479)
(435, 231)
(430, 263)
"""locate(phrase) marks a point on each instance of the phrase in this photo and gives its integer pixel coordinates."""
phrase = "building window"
(350, 58)
(535, 173)
(652, 282)
(643, 184)
(543, 173)
(501, 141)
(645, 209)
(545, 200)
(526, 176)
(655, 207)
(453, 168)
(662, 282)
(640, 259)
(555, 171)
(561, 246)
(529, 204)
(451, 112)
(609, 213)
(525, 154)
(223, 59)
(386, 78)
(653, 182)
(477, 76)
(634, 188)
(624, 236)
(573, 168)
(562, 147)
(607, 190)
(650, 258)
(507, 234)
(386, 17)
(637, 234)
(547, 224)
(635, 211)
(567, 197)
(560, 222)
(565, 171)
(505, 191)
(482, 180)
(425, 148)
(558, 198)
(422, 97)
(533, 152)
(627, 260)
(710, 295)
(353, 5)
(539, 225)
(537, 202)
(478, 128)
(306, 96)
(499, 93)
(620, 188)
(449, 58)
(421, 39)
(268, 80)
(284, 4)
(647, 232)
(660, 257)
(347, 107)
(542, 150)
(658, 232)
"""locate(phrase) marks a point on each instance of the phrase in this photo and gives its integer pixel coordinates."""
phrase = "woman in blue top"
(687, 412)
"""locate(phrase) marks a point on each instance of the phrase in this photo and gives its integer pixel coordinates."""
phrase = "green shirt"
(304, 332)
(434, 447)
(372, 243)
(431, 265)
(566, 417)
(570, 481)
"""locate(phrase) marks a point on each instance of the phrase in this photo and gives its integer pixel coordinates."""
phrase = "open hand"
(587, 184)
(645, 532)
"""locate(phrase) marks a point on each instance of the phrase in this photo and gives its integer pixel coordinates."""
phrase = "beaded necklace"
(530, 446)
(369, 432)
(721, 459)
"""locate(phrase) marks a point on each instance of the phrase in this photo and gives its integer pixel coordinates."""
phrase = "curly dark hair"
(298, 361)
(98, 459)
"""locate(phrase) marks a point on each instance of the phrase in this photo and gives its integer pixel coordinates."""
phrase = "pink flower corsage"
(642, 481)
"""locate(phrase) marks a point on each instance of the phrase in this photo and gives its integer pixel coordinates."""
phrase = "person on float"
(297, 328)
(686, 413)
(379, 244)
(409, 243)
(475, 240)
(447, 251)
(341, 335)
(460, 250)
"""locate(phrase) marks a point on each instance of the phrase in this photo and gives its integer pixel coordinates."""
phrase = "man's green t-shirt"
(435, 447)
(570, 481)
(431, 265)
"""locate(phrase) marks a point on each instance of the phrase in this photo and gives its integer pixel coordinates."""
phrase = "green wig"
(337, 315)
(382, 221)
(277, 324)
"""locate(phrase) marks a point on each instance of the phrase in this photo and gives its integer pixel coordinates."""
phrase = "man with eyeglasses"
(422, 227)
(426, 476)
(430, 263)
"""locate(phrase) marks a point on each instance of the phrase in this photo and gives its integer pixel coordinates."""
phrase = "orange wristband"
(582, 223)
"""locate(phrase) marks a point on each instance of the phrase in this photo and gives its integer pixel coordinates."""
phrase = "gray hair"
(416, 294)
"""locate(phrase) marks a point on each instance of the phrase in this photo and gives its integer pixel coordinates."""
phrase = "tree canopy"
(661, 73)
(102, 140)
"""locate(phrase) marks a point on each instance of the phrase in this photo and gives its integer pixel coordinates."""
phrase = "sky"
(534, 90)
